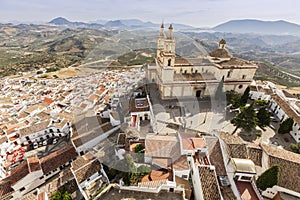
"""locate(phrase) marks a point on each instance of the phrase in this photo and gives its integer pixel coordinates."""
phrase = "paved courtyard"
(204, 116)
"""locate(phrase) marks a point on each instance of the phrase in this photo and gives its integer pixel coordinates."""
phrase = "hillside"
(260, 27)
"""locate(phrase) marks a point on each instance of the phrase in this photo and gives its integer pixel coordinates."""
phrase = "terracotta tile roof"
(255, 154)
(198, 142)
(86, 137)
(87, 170)
(286, 108)
(160, 175)
(152, 184)
(209, 183)
(289, 163)
(281, 153)
(162, 162)
(48, 100)
(33, 128)
(34, 164)
(236, 62)
(187, 144)
(288, 95)
(93, 97)
(162, 146)
(215, 155)
(18, 173)
(182, 61)
(58, 158)
(81, 160)
(181, 163)
(237, 147)
(22, 115)
(184, 184)
(43, 116)
(5, 189)
(220, 53)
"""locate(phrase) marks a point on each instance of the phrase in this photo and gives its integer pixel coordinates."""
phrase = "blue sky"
(200, 13)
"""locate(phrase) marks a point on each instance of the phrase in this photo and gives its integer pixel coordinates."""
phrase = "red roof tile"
(48, 100)
(58, 158)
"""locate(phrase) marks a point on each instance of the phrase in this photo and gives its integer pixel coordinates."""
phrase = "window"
(41, 177)
(244, 77)
(196, 71)
(169, 62)
(246, 178)
(185, 71)
(22, 189)
(174, 72)
(27, 138)
(229, 74)
(184, 176)
(240, 86)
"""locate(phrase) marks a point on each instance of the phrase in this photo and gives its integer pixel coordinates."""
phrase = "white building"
(197, 77)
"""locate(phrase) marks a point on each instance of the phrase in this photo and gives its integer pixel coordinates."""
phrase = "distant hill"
(261, 27)
(116, 24)
(60, 21)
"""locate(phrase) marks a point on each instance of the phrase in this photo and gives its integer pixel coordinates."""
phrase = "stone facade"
(197, 77)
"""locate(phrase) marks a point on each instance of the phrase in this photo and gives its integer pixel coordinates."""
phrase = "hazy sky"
(198, 13)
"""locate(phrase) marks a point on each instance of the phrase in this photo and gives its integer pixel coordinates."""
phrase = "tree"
(286, 126)
(246, 119)
(245, 97)
(143, 169)
(269, 178)
(264, 117)
(295, 147)
(261, 103)
(129, 173)
(59, 195)
(138, 148)
(233, 98)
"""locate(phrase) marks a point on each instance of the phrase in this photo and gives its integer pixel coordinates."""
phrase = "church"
(178, 77)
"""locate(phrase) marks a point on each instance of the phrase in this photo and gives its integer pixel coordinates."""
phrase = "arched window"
(169, 62)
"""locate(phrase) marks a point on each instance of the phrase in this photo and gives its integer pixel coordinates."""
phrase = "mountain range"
(116, 24)
(259, 27)
(234, 26)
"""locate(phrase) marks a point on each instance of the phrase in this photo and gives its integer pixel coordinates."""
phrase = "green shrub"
(258, 134)
(295, 147)
(286, 126)
(269, 178)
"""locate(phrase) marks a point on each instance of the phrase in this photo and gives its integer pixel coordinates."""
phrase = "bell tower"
(161, 43)
(169, 49)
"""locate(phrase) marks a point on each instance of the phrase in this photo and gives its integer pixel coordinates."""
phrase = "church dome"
(220, 53)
